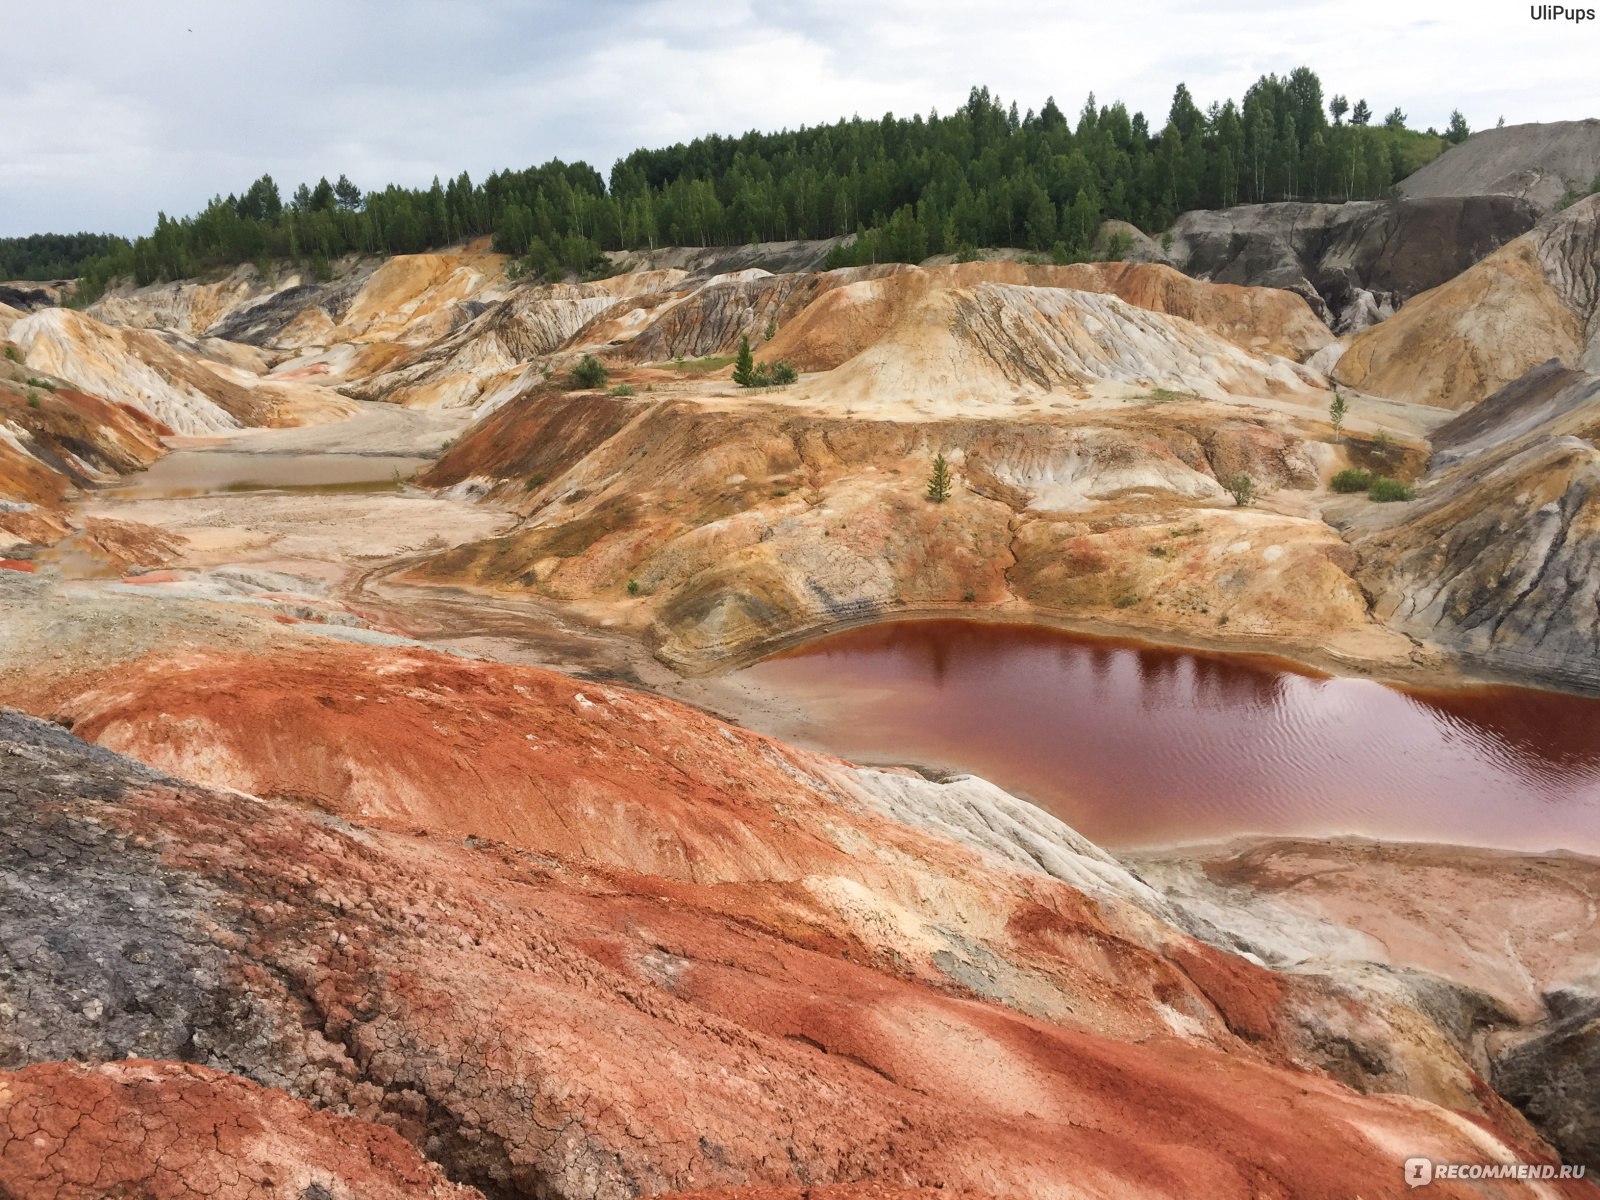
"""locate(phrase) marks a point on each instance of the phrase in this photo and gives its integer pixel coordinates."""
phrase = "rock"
(1539, 162)
(1553, 1076)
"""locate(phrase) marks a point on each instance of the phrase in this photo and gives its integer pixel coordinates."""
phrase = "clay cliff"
(1497, 559)
(1354, 263)
(1534, 299)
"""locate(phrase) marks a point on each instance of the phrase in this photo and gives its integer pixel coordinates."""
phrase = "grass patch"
(1386, 491)
(1351, 479)
(46, 384)
(1126, 601)
(701, 366)
(1165, 396)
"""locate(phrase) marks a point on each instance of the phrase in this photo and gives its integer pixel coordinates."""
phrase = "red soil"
(595, 1031)
(159, 1130)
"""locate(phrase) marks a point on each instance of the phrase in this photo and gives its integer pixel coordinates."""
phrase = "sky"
(115, 111)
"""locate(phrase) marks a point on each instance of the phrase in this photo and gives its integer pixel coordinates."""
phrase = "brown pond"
(1138, 745)
(207, 472)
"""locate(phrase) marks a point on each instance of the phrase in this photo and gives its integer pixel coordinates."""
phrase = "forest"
(984, 175)
(54, 255)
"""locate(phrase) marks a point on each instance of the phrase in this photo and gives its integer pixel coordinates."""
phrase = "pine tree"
(939, 483)
(744, 370)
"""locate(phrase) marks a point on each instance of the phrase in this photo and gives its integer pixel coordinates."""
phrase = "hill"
(1543, 164)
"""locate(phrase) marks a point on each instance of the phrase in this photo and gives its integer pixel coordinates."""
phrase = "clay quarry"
(413, 783)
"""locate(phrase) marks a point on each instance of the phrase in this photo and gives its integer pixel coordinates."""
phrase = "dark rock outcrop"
(1554, 1077)
(1354, 263)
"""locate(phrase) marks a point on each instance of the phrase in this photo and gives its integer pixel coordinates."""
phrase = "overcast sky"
(115, 110)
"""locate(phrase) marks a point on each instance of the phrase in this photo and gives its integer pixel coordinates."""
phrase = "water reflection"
(1137, 744)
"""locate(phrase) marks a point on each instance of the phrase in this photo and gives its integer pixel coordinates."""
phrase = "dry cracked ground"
(376, 821)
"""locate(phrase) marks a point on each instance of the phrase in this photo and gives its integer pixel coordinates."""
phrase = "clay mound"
(496, 351)
(184, 391)
(1354, 263)
(1499, 558)
(494, 1005)
(957, 347)
(1535, 299)
(1538, 162)
(704, 262)
(712, 319)
(744, 528)
(415, 299)
(851, 314)
(171, 1131)
(69, 440)
(190, 307)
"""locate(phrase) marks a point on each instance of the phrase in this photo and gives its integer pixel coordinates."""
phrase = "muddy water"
(1135, 745)
(207, 472)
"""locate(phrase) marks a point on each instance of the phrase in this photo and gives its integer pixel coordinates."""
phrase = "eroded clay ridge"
(543, 1024)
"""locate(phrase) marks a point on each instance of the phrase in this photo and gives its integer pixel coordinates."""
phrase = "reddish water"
(1134, 745)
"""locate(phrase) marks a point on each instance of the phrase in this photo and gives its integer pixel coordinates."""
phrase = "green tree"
(1457, 132)
(1361, 114)
(744, 368)
(1336, 413)
(940, 484)
(1242, 488)
(347, 195)
(1337, 107)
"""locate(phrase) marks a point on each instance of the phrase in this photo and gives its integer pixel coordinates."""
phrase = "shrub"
(33, 398)
(1385, 490)
(1126, 601)
(783, 373)
(589, 373)
(939, 483)
(13, 354)
(623, 389)
(1351, 479)
(1242, 488)
(633, 587)
(46, 384)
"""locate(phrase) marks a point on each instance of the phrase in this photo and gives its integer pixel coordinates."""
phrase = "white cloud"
(117, 110)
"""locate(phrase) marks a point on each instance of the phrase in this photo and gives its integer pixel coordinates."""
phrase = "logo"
(1559, 12)
(1419, 1172)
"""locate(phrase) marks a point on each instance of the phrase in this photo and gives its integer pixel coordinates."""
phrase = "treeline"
(985, 175)
(54, 255)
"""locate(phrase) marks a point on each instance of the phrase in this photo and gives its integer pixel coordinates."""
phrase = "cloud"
(115, 111)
